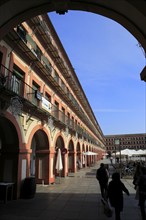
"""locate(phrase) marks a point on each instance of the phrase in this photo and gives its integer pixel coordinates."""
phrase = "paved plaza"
(76, 197)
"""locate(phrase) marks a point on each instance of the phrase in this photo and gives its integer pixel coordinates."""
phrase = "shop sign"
(46, 104)
(38, 95)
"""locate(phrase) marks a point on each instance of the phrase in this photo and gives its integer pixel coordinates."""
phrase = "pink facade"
(40, 111)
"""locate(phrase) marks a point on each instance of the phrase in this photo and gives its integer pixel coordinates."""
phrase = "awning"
(89, 153)
(131, 152)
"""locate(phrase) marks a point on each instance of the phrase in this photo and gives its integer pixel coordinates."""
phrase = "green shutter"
(46, 61)
(31, 41)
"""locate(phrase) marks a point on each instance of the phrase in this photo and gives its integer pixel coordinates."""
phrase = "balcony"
(27, 49)
(11, 86)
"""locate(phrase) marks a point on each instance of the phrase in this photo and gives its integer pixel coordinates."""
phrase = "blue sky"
(108, 62)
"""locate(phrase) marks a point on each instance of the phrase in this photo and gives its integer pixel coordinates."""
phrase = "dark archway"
(78, 150)
(78, 156)
(130, 14)
(71, 162)
(39, 158)
(9, 153)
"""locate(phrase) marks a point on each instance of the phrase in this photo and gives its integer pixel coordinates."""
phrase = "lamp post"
(117, 143)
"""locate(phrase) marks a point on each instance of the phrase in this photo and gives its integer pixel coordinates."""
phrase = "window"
(30, 42)
(17, 84)
(46, 102)
(46, 63)
(56, 110)
(67, 90)
(68, 119)
(63, 115)
(35, 87)
(76, 124)
(56, 76)
(47, 96)
(38, 52)
(72, 122)
(22, 32)
(63, 86)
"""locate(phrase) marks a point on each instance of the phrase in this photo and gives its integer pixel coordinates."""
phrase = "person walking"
(137, 174)
(102, 175)
(115, 194)
(111, 159)
(142, 192)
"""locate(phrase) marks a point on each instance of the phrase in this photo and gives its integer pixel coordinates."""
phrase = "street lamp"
(117, 143)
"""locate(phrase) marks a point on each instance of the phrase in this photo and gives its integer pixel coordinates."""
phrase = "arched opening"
(59, 8)
(39, 158)
(83, 156)
(9, 152)
(59, 145)
(71, 162)
(129, 14)
(96, 13)
(78, 156)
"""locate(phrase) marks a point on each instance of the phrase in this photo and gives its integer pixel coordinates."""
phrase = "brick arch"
(34, 130)
(71, 146)
(13, 120)
(56, 137)
(78, 147)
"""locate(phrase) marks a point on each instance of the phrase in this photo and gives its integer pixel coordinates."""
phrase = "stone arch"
(130, 15)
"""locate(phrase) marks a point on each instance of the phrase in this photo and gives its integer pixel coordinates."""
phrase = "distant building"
(130, 141)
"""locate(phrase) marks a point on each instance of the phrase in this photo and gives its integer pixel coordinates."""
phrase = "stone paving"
(72, 198)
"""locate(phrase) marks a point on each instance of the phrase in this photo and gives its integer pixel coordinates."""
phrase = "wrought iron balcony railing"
(12, 85)
(55, 78)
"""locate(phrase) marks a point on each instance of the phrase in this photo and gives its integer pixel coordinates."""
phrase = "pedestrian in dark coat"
(142, 192)
(102, 175)
(115, 194)
(137, 174)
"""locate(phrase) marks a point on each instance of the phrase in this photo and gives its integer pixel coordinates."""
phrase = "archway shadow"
(56, 203)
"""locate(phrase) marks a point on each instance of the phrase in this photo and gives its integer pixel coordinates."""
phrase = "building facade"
(130, 141)
(43, 108)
